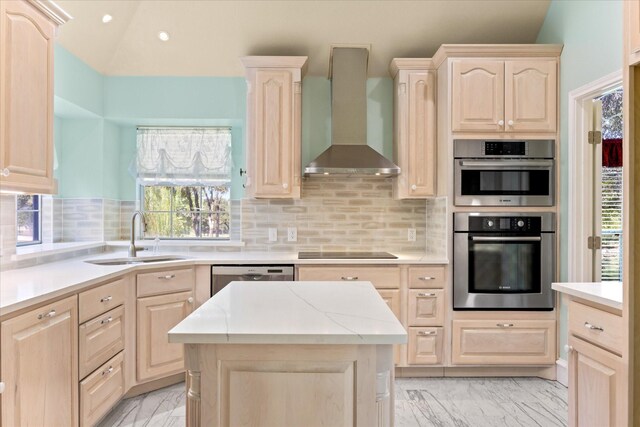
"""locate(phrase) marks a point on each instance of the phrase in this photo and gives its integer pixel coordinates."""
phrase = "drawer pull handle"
(426, 295)
(425, 278)
(107, 371)
(49, 314)
(349, 277)
(106, 299)
(593, 327)
(504, 325)
(427, 332)
(167, 277)
(109, 320)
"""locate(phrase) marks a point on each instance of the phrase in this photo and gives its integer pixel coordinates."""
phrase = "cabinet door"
(530, 95)
(392, 298)
(40, 366)
(425, 346)
(632, 8)
(156, 316)
(422, 135)
(477, 96)
(26, 97)
(596, 392)
(426, 307)
(273, 137)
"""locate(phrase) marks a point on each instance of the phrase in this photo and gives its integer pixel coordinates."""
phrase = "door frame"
(580, 173)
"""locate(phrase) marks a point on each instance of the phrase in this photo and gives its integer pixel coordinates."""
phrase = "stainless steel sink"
(134, 260)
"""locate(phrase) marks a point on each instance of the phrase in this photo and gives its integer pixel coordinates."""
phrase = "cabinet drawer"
(500, 342)
(101, 390)
(427, 277)
(381, 277)
(99, 300)
(100, 339)
(392, 298)
(597, 326)
(164, 282)
(425, 346)
(426, 307)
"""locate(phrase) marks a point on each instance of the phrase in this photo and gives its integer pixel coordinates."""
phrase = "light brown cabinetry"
(26, 97)
(425, 346)
(40, 366)
(100, 339)
(632, 14)
(157, 312)
(382, 277)
(101, 390)
(504, 342)
(274, 105)
(414, 128)
(497, 96)
(597, 395)
(426, 307)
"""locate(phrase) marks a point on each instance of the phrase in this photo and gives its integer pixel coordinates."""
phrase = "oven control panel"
(505, 148)
(505, 223)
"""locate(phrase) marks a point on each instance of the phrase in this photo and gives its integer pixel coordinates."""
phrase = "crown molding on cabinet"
(52, 11)
(409, 64)
(496, 50)
(276, 62)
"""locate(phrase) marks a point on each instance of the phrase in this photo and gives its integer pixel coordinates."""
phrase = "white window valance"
(183, 156)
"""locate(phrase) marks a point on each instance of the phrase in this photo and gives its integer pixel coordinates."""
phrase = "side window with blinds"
(611, 184)
(184, 176)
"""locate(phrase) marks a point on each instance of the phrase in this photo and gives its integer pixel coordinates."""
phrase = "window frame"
(37, 224)
(172, 212)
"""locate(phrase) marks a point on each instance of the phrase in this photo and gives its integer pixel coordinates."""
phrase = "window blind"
(611, 262)
(183, 156)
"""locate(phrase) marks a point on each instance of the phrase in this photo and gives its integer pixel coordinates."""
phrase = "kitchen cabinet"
(425, 346)
(597, 394)
(101, 390)
(40, 366)
(414, 128)
(632, 14)
(503, 342)
(496, 96)
(426, 307)
(382, 277)
(100, 339)
(274, 113)
(159, 309)
(27, 31)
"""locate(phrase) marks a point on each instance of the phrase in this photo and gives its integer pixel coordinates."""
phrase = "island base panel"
(310, 385)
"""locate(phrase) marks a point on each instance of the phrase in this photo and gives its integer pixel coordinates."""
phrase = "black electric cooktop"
(346, 255)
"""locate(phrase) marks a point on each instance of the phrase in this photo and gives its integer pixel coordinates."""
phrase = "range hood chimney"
(349, 153)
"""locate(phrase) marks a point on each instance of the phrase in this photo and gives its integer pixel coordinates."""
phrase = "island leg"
(194, 392)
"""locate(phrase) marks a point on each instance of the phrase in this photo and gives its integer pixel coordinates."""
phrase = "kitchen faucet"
(132, 243)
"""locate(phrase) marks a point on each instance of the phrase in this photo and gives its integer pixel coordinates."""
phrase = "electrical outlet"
(411, 234)
(292, 234)
(273, 234)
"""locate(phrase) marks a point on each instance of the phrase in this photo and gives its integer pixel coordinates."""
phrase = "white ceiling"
(208, 37)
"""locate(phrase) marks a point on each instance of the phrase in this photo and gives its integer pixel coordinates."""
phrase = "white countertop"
(605, 293)
(316, 313)
(24, 287)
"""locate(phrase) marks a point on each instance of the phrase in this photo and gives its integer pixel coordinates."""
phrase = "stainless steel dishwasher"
(222, 275)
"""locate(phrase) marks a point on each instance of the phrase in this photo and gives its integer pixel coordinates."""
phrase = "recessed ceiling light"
(163, 35)
(107, 18)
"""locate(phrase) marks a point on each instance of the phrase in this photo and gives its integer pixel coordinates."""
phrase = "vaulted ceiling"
(208, 37)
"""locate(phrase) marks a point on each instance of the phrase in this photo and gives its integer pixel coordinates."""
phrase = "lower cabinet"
(40, 366)
(156, 316)
(425, 346)
(101, 390)
(500, 342)
(392, 298)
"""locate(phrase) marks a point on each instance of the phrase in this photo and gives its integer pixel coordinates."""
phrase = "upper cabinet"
(274, 112)
(496, 96)
(414, 128)
(27, 31)
(632, 15)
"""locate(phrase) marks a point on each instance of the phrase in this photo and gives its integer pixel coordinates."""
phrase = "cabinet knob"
(593, 327)
(5, 172)
(349, 277)
(426, 295)
(107, 371)
(167, 277)
(1, 387)
(568, 348)
(510, 122)
(500, 122)
(49, 314)
(425, 278)
(285, 185)
(106, 299)
(107, 320)
(427, 332)
(504, 325)
(190, 300)
(414, 187)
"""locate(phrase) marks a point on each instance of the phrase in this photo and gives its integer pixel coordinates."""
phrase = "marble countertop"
(21, 288)
(605, 293)
(317, 313)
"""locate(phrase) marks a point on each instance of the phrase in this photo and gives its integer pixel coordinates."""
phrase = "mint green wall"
(76, 82)
(591, 32)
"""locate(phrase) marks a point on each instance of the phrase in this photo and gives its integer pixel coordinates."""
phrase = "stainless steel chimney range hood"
(349, 153)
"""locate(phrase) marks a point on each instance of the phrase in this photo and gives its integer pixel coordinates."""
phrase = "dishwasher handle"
(255, 277)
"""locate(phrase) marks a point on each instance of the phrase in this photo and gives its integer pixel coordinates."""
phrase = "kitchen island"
(290, 354)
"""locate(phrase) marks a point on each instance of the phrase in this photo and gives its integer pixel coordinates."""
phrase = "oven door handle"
(507, 239)
(507, 163)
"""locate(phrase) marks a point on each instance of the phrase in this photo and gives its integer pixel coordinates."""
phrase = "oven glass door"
(505, 182)
(504, 264)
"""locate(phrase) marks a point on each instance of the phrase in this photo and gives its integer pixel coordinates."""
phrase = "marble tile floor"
(420, 402)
